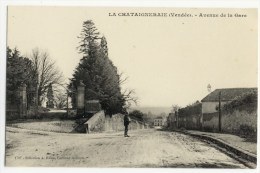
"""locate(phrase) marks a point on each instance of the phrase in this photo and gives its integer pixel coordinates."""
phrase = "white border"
(140, 3)
(108, 3)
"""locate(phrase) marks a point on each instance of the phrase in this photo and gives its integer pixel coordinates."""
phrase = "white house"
(159, 121)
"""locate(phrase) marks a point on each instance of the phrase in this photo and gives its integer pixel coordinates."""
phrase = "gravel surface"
(145, 148)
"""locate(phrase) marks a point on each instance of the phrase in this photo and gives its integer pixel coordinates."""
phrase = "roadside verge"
(245, 157)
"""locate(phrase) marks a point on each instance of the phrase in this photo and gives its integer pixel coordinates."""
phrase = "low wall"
(101, 122)
(60, 126)
(114, 123)
(12, 112)
(96, 122)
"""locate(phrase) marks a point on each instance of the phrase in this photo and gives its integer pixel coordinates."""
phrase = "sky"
(168, 60)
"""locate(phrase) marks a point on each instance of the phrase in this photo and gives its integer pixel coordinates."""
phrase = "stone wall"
(236, 122)
(96, 122)
(190, 122)
(20, 108)
(210, 122)
(12, 111)
(114, 123)
(104, 123)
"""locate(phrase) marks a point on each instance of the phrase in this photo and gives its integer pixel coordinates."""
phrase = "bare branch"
(46, 71)
(121, 79)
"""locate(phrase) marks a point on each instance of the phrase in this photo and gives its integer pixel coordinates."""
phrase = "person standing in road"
(126, 123)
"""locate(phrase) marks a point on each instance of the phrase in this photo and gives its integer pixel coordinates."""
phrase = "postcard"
(131, 87)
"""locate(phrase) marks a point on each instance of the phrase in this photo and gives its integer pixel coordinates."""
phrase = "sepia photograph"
(131, 87)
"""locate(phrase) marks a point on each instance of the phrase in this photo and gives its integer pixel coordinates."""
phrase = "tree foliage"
(191, 109)
(19, 70)
(98, 72)
(60, 100)
(246, 99)
(136, 114)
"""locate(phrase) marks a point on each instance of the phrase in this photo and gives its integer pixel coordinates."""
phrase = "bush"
(247, 131)
(191, 109)
(245, 99)
(137, 115)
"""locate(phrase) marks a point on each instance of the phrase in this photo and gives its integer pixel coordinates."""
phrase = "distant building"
(159, 121)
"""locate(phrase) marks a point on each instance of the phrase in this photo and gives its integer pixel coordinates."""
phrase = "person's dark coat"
(126, 120)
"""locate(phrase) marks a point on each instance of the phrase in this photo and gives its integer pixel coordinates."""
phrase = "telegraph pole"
(67, 102)
(219, 112)
(177, 119)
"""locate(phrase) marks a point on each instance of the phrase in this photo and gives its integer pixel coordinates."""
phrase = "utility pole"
(177, 119)
(67, 103)
(219, 112)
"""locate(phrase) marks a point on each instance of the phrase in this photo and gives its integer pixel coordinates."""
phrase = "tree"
(97, 71)
(89, 37)
(50, 97)
(175, 108)
(60, 100)
(191, 109)
(128, 94)
(46, 71)
(136, 114)
(19, 70)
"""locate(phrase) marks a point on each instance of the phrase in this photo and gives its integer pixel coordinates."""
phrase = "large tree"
(97, 71)
(47, 72)
(19, 70)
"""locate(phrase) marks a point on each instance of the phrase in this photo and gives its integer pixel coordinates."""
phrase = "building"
(210, 117)
(211, 101)
(159, 121)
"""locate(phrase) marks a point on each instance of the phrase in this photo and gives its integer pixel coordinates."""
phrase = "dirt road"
(145, 148)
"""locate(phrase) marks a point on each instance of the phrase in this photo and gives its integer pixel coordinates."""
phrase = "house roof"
(227, 94)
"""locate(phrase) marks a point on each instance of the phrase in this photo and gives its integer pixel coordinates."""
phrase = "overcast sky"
(168, 60)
